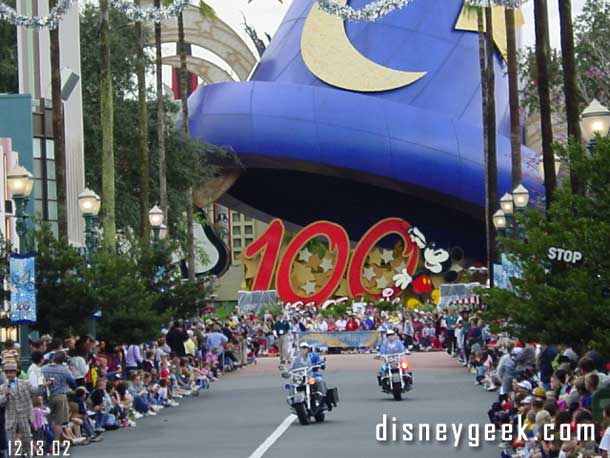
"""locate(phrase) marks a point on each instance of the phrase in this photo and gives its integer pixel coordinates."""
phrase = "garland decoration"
(57, 13)
(140, 14)
(36, 22)
(513, 4)
(370, 12)
(381, 8)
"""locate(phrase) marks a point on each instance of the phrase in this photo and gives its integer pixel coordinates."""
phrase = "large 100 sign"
(347, 264)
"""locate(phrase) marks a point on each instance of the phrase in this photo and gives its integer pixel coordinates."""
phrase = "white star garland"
(488, 3)
(36, 22)
(139, 14)
(370, 12)
(381, 8)
(57, 13)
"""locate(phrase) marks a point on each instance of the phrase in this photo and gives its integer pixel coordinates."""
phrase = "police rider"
(390, 346)
(307, 357)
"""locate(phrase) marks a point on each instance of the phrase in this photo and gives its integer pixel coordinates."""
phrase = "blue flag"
(22, 270)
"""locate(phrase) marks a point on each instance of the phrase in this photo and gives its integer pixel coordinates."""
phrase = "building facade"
(243, 231)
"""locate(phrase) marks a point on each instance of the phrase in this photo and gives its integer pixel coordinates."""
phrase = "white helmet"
(304, 345)
(390, 332)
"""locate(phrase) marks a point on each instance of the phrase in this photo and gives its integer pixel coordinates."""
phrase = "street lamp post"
(499, 220)
(503, 218)
(89, 204)
(521, 198)
(155, 218)
(507, 207)
(595, 120)
(20, 183)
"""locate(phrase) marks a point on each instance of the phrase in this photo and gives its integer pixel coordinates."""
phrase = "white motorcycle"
(395, 377)
(305, 396)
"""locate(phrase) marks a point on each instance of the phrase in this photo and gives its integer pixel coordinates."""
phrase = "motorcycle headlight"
(298, 379)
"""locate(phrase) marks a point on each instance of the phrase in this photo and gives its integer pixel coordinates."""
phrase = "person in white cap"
(307, 357)
(392, 344)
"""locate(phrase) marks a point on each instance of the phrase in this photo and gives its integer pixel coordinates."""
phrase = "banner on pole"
(341, 339)
(505, 272)
(254, 301)
(22, 270)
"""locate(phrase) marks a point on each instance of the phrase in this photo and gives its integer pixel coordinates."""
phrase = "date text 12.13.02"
(38, 448)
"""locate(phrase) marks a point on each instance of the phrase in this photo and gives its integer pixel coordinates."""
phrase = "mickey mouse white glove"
(402, 280)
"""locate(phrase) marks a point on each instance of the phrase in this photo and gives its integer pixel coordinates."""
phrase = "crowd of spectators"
(552, 400)
(76, 389)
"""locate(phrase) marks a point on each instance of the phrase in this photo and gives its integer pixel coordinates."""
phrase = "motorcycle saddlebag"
(332, 395)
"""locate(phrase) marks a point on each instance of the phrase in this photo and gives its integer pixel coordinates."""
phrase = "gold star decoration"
(468, 21)
(343, 289)
(321, 278)
(314, 261)
(399, 266)
(251, 265)
(375, 257)
(302, 273)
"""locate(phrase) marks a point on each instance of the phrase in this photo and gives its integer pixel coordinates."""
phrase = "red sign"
(268, 246)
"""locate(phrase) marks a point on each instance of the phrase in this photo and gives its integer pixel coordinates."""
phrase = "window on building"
(236, 217)
(249, 241)
(236, 255)
(247, 219)
(45, 185)
(236, 230)
(236, 243)
(249, 230)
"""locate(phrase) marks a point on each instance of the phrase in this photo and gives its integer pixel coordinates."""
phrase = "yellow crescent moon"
(329, 54)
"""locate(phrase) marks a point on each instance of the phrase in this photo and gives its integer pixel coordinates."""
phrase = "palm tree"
(486, 66)
(58, 131)
(570, 86)
(513, 97)
(160, 119)
(491, 164)
(542, 68)
(107, 124)
(143, 134)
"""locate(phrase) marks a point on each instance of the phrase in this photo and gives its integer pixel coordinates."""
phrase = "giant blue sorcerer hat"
(360, 121)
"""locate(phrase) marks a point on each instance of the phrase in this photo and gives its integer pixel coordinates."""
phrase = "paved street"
(239, 413)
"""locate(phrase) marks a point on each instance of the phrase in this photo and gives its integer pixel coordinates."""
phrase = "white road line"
(275, 435)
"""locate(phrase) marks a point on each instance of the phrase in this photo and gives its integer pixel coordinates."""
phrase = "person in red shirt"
(352, 324)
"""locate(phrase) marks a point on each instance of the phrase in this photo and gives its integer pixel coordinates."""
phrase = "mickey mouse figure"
(436, 261)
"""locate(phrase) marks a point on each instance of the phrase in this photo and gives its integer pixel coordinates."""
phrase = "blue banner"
(341, 339)
(22, 270)
(505, 272)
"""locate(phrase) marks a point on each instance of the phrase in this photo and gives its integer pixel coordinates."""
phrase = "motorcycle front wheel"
(320, 417)
(397, 392)
(301, 411)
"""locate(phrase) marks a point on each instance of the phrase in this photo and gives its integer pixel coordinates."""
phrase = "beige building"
(243, 231)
